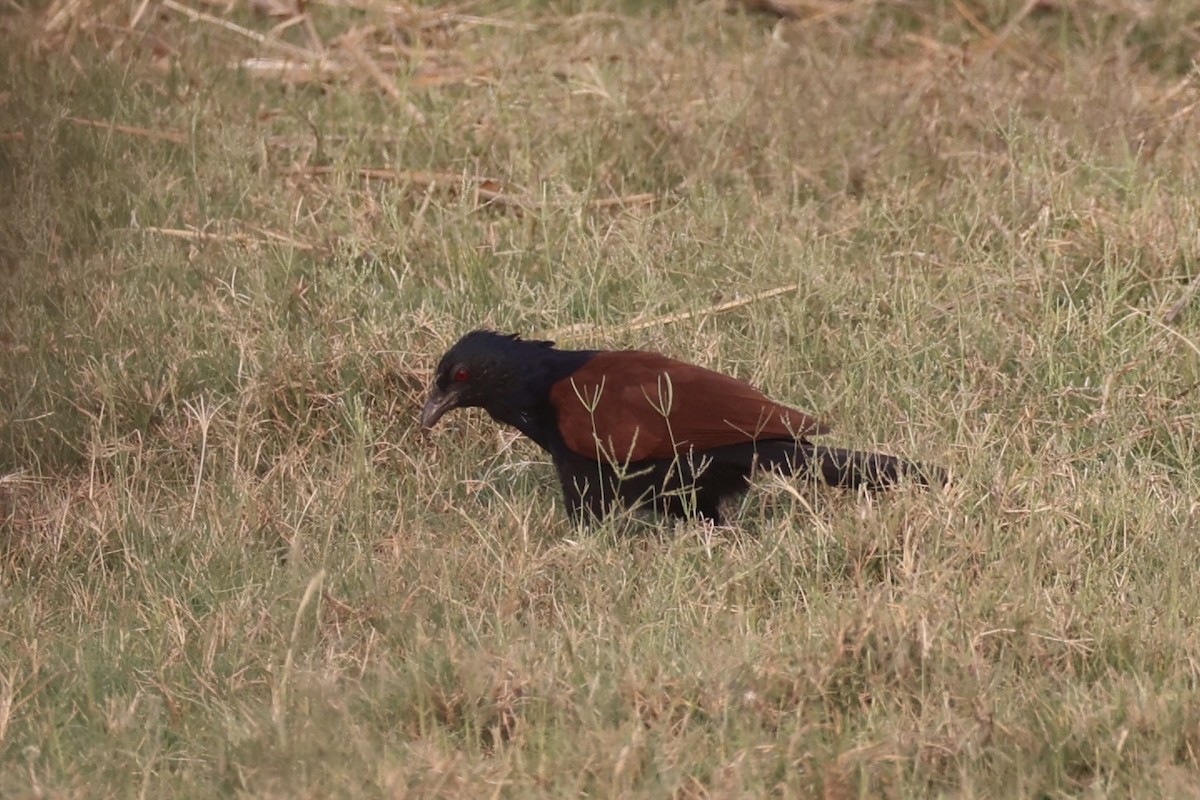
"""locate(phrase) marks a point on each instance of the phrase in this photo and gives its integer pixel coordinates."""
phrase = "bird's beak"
(436, 406)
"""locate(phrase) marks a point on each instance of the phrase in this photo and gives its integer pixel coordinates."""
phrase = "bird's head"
(478, 371)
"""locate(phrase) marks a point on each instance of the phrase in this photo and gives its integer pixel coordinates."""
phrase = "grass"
(231, 565)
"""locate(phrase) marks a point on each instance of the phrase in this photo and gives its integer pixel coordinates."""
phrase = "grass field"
(235, 240)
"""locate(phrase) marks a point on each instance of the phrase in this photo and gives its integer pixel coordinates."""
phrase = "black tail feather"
(684, 487)
(847, 469)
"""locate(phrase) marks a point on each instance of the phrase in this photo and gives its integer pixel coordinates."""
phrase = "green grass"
(231, 565)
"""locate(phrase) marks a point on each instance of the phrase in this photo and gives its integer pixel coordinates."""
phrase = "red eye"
(461, 374)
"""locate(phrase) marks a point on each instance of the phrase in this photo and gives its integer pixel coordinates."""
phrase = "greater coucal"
(637, 429)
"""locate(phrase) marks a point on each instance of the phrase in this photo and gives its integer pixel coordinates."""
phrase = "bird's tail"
(847, 469)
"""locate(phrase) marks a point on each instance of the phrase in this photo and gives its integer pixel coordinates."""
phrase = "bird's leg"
(708, 506)
(585, 504)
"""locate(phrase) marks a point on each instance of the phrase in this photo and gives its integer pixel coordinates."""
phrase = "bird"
(636, 429)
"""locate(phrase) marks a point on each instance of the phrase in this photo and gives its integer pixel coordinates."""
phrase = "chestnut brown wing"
(630, 406)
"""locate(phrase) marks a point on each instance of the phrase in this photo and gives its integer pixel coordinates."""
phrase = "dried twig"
(61, 15)
(1177, 307)
(420, 177)
(354, 49)
(493, 192)
(628, 201)
(289, 70)
(163, 136)
(428, 17)
(992, 41)
(442, 18)
(278, 44)
(428, 78)
(1000, 39)
(581, 328)
(485, 189)
(232, 238)
(294, 71)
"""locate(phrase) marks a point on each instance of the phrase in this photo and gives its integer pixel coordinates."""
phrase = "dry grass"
(235, 238)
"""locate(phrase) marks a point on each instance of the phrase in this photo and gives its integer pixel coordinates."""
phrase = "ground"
(235, 238)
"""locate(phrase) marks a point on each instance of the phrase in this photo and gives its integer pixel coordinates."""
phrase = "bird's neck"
(526, 406)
